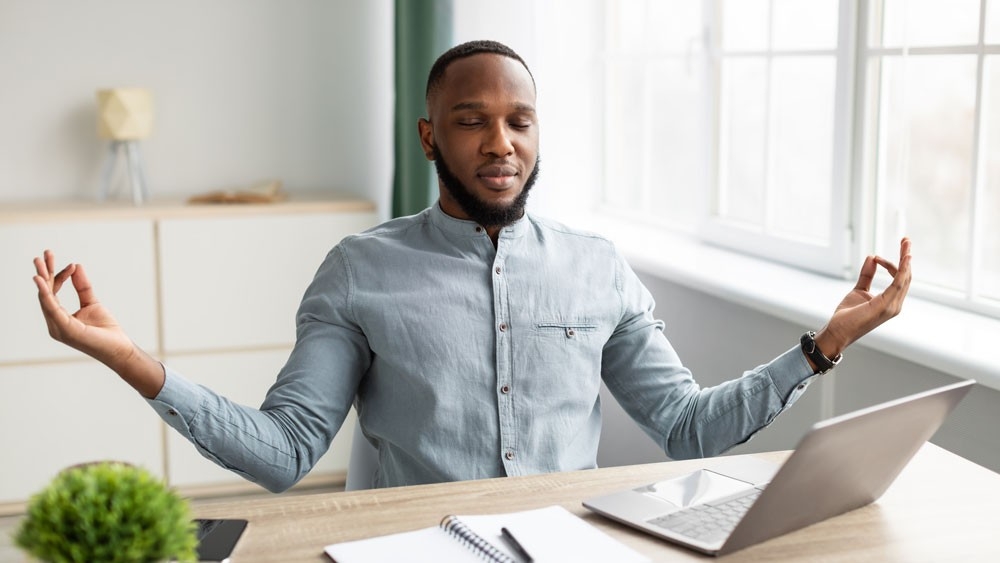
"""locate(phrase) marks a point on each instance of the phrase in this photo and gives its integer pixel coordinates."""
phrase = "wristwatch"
(809, 348)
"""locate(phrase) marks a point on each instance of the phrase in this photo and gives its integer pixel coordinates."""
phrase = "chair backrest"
(363, 462)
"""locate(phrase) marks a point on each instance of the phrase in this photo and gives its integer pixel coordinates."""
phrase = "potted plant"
(107, 511)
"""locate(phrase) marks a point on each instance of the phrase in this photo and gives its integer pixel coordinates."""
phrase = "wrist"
(140, 370)
(815, 355)
(828, 344)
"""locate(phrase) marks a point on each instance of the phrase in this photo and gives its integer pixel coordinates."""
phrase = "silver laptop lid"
(844, 463)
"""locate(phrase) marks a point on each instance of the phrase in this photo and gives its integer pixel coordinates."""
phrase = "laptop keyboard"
(707, 522)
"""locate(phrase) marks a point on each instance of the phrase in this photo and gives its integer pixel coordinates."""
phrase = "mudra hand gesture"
(92, 329)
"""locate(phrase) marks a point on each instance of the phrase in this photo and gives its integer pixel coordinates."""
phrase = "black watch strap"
(809, 348)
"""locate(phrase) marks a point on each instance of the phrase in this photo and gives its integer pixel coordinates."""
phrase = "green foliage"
(110, 512)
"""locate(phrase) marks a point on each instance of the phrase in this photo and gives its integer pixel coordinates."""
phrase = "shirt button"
(570, 332)
(801, 386)
(497, 269)
(479, 229)
(172, 412)
(509, 455)
(505, 389)
(503, 327)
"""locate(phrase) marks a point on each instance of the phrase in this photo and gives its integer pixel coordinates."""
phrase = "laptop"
(842, 463)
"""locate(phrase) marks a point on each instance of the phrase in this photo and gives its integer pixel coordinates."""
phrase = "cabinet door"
(243, 378)
(119, 259)
(56, 415)
(236, 282)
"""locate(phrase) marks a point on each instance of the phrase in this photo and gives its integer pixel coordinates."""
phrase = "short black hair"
(468, 49)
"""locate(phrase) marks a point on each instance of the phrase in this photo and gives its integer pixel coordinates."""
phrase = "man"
(472, 338)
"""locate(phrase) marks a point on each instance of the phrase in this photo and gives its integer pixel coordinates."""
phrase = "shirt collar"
(466, 228)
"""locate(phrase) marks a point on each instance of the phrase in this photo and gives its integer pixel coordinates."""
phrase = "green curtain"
(423, 32)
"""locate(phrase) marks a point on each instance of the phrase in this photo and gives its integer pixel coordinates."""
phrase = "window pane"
(802, 146)
(678, 173)
(745, 25)
(742, 135)
(924, 23)
(925, 161)
(805, 24)
(675, 25)
(660, 25)
(990, 154)
(625, 134)
(993, 21)
(628, 28)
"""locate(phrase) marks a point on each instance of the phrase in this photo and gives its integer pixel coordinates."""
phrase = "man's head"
(481, 132)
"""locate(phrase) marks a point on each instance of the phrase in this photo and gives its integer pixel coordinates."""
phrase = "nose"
(496, 141)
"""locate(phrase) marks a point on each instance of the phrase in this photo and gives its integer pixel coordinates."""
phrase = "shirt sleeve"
(645, 375)
(277, 444)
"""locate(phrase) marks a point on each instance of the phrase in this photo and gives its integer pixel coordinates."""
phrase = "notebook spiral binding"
(474, 541)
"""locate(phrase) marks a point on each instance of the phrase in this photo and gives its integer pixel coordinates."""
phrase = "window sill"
(952, 341)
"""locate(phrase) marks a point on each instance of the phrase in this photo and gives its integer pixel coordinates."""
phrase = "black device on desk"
(217, 538)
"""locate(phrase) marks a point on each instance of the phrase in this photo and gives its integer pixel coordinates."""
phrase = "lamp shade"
(124, 114)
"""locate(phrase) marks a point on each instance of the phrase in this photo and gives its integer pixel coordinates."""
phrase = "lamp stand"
(136, 171)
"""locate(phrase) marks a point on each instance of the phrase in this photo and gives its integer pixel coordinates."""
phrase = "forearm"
(137, 368)
(256, 445)
(712, 420)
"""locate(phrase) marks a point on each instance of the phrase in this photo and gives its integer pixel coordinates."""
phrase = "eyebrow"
(464, 106)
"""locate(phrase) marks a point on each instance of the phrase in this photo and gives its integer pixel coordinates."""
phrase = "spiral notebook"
(547, 534)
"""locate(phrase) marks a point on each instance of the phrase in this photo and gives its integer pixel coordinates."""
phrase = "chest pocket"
(565, 329)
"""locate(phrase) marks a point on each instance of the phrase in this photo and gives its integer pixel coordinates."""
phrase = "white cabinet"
(211, 290)
(60, 414)
(236, 282)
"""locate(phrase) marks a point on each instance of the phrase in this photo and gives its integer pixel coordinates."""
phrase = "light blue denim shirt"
(467, 361)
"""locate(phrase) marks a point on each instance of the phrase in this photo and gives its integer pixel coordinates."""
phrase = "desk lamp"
(124, 116)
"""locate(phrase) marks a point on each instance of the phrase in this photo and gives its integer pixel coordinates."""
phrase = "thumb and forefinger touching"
(49, 285)
(901, 275)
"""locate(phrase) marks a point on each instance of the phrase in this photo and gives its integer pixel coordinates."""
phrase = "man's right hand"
(93, 330)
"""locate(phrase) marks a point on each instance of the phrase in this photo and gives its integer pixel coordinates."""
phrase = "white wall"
(244, 90)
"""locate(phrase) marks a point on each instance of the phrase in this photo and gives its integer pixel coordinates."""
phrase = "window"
(813, 132)
(932, 132)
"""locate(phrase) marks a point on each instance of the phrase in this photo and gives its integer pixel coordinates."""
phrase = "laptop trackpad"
(694, 488)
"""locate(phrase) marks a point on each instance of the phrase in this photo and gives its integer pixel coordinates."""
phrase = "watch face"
(808, 344)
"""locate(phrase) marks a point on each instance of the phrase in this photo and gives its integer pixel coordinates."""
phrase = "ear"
(426, 130)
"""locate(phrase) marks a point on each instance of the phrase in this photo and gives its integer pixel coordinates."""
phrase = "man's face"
(483, 136)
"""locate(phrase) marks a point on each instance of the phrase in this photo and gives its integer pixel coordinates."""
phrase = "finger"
(905, 273)
(42, 284)
(83, 288)
(867, 274)
(904, 248)
(889, 266)
(895, 293)
(50, 304)
(50, 260)
(62, 276)
(41, 269)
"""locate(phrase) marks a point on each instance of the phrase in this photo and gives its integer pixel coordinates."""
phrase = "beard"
(484, 213)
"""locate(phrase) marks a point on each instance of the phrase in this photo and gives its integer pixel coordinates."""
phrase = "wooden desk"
(941, 508)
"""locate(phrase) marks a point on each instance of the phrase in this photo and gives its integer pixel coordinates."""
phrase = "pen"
(521, 552)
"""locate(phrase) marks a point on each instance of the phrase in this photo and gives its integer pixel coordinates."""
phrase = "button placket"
(504, 362)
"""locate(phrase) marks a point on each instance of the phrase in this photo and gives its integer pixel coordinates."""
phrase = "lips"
(497, 175)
